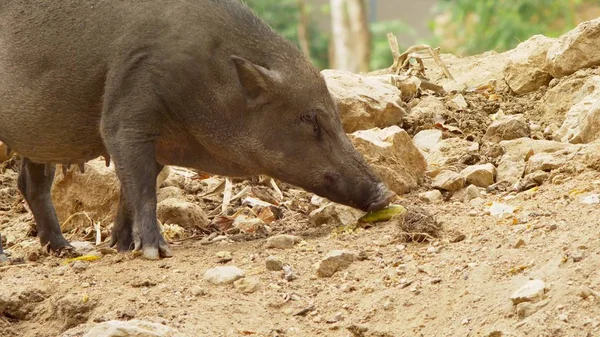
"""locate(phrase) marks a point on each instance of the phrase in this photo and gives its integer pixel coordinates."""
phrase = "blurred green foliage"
(481, 25)
(283, 16)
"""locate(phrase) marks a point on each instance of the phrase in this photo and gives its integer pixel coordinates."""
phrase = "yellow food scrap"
(88, 258)
(384, 214)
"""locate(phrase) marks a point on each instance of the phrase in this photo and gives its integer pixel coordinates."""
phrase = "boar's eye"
(311, 119)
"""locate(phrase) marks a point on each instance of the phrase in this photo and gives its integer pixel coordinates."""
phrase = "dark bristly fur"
(202, 84)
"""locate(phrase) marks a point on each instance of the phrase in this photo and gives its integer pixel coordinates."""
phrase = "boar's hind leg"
(35, 186)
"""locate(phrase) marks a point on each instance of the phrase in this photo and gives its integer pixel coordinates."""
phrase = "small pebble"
(273, 263)
(577, 256)
(197, 291)
(283, 241)
(433, 250)
(80, 266)
(520, 243)
(224, 256)
(288, 273)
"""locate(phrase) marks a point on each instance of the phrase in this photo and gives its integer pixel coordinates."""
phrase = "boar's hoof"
(57, 244)
(60, 250)
(154, 251)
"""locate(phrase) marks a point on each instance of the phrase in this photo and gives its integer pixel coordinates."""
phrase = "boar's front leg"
(129, 127)
(136, 220)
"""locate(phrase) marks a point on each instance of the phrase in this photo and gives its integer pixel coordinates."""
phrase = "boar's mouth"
(381, 198)
(373, 199)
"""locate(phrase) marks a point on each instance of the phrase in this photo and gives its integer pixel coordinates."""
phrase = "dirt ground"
(400, 289)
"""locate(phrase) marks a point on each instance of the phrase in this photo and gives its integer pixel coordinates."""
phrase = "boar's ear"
(255, 80)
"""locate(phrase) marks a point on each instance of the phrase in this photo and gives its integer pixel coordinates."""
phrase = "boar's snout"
(380, 199)
(370, 195)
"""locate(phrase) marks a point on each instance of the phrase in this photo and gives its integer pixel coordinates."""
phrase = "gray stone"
(426, 140)
(576, 49)
(527, 68)
(273, 263)
(335, 261)
(449, 181)
(283, 241)
(531, 291)
(223, 275)
(507, 128)
(181, 212)
(431, 196)
(479, 175)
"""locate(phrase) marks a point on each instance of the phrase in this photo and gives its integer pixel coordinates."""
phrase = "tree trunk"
(339, 27)
(303, 22)
(359, 30)
(351, 36)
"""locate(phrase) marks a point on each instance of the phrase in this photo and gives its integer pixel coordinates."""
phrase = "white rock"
(334, 214)
(426, 140)
(83, 247)
(460, 102)
(248, 224)
(531, 291)
(499, 209)
(448, 180)
(507, 128)
(513, 163)
(546, 161)
(181, 212)
(223, 275)
(132, 328)
(577, 49)
(431, 196)
(527, 68)
(477, 202)
(449, 152)
(558, 100)
(392, 155)
(364, 102)
(426, 112)
(472, 192)
(283, 241)
(582, 122)
(470, 71)
(479, 175)
(592, 199)
(335, 261)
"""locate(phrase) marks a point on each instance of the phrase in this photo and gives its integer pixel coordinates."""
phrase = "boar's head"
(296, 135)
